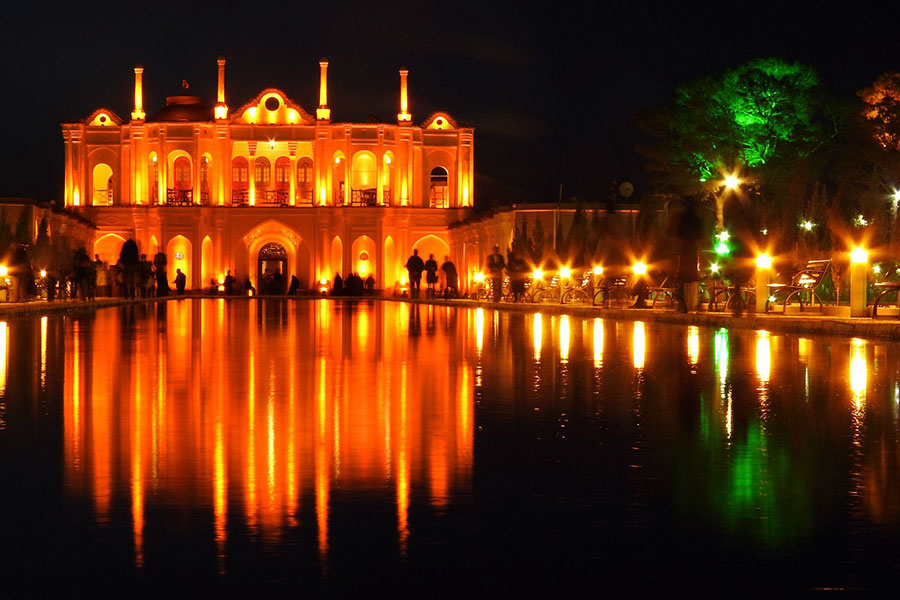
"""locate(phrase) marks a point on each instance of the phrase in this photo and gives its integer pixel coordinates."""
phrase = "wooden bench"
(807, 279)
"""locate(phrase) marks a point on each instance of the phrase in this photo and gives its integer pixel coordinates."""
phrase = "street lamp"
(731, 182)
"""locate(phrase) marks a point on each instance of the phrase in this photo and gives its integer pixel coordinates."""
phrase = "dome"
(184, 109)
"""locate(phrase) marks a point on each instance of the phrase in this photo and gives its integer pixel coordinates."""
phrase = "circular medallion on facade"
(272, 103)
(179, 255)
(363, 256)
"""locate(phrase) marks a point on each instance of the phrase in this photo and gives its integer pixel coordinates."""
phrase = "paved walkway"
(810, 324)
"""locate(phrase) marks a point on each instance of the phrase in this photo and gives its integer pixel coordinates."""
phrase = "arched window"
(239, 173)
(182, 169)
(102, 180)
(305, 181)
(240, 181)
(387, 177)
(154, 179)
(440, 189)
(283, 173)
(204, 180)
(263, 173)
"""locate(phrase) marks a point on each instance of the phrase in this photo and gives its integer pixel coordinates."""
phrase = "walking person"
(495, 264)
(415, 266)
(431, 276)
(451, 289)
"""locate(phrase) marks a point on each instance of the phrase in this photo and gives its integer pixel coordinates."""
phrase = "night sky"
(551, 91)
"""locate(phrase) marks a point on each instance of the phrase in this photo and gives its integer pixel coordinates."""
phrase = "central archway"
(271, 270)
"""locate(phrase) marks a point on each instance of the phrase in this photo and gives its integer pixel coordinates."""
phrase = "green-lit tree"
(760, 119)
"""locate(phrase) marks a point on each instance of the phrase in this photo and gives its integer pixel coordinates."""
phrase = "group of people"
(443, 279)
(354, 285)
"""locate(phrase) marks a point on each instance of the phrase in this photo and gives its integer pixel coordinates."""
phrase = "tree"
(23, 229)
(759, 118)
(881, 108)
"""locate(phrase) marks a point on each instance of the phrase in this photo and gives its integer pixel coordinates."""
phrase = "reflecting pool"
(353, 446)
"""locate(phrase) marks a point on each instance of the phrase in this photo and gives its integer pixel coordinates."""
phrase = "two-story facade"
(269, 185)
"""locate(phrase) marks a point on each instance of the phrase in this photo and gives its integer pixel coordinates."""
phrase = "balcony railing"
(179, 197)
(204, 196)
(439, 197)
(274, 198)
(103, 197)
(386, 194)
(240, 197)
(305, 196)
(363, 197)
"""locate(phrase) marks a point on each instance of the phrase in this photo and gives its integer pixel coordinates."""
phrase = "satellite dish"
(626, 189)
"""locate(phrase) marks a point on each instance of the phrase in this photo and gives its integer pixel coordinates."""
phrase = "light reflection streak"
(4, 366)
(598, 343)
(638, 345)
(763, 356)
(858, 372)
(538, 335)
(403, 467)
(137, 482)
(564, 338)
(693, 345)
(321, 460)
(479, 329)
(43, 355)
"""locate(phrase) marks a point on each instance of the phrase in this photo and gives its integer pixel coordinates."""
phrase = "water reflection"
(226, 398)
(314, 429)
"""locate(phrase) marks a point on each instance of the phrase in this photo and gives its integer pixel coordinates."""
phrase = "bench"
(807, 279)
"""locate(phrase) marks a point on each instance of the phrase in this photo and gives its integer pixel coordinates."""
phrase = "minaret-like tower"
(221, 109)
(403, 116)
(323, 113)
(138, 113)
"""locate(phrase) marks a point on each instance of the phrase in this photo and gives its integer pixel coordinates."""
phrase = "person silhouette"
(414, 267)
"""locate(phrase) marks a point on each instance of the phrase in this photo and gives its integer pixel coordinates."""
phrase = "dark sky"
(552, 91)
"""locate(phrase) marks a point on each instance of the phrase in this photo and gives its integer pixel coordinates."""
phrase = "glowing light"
(860, 221)
(4, 355)
(772, 298)
(292, 115)
(43, 273)
(538, 335)
(807, 225)
(876, 269)
(896, 196)
(537, 274)
(221, 112)
(693, 344)
(714, 268)
(565, 272)
(732, 182)
(763, 261)
(251, 113)
(387, 160)
(859, 255)
(337, 160)
(564, 338)
(479, 329)
(722, 248)
(723, 236)
(479, 277)
(598, 270)
(4, 271)
(639, 268)
(638, 343)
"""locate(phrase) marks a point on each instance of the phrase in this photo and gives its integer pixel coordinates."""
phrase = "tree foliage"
(881, 109)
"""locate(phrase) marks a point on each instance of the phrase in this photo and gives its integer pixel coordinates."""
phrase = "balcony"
(204, 196)
(103, 198)
(179, 197)
(386, 194)
(363, 197)
(273, 198)
(305, 196)
(240, 198)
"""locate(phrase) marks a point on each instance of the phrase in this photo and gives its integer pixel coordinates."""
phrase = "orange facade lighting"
(323, 113)
(403, 116)
(138, 113)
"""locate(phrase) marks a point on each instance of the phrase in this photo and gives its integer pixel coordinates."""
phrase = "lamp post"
(859, 266)
(763, 279)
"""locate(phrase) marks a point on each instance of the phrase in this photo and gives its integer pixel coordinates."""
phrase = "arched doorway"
(102, 185)
(271, 270)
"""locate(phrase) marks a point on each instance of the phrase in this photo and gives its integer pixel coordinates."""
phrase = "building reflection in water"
(249, 407)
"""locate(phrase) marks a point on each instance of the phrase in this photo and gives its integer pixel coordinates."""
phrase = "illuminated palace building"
(269, 186)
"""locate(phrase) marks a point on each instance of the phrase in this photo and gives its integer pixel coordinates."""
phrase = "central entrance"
(271, 271)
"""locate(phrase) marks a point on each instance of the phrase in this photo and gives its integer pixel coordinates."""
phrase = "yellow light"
(598, 270)
(732, 182)
(639, 268)
(323, 281)
(403, 280)
(271, 144)
(387, 160)
(292, 115)
(896, 195)
(638, 345)
(763, 356)
(859, 255)
(221, 111)
(537, 335)
(337, 160)
(43, 273)
(154, 158)
(714, 268)
(876, 269)
(807, 225)
(479, 277)
(565, 272)
(723, 236)
(693, 344)
(763, 261)
(537, 274)
(564, 338)
(858, 370)
(251, 112)
(4, 270)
